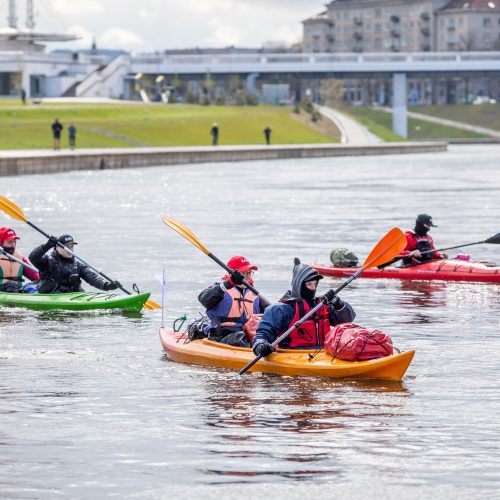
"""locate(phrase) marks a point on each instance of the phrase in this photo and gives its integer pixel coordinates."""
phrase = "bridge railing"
(314, 58)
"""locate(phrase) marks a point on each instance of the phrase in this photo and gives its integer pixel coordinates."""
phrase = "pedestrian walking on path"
(72, 136)
(214, 131)
(57, 127)
(267, 134)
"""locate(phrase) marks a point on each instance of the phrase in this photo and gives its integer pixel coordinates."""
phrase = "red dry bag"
(352, 342)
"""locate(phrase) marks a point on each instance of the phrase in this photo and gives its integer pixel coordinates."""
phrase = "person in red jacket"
(11, 271)
(420, 243)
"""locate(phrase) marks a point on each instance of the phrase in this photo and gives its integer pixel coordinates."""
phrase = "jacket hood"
(301, 274)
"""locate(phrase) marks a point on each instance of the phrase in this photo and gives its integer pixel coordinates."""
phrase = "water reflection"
(423, 293)
(252, 419)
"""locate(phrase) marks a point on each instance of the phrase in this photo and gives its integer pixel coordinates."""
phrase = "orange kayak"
(290, 362)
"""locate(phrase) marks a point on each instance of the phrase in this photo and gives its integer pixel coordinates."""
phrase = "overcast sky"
(148, 25)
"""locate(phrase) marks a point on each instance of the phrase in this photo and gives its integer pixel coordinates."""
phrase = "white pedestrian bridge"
(331, 64)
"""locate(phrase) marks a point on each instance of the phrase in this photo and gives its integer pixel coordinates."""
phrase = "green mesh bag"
(342, 257)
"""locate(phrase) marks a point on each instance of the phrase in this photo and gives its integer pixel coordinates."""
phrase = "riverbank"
(27, 162)
(155, 125)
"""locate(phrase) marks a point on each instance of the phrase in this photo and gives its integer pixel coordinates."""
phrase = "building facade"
(376, 26)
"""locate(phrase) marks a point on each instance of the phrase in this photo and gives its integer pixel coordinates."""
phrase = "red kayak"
(448, 270)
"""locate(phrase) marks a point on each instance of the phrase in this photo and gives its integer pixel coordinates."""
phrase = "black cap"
(425, 219)
(66, 239)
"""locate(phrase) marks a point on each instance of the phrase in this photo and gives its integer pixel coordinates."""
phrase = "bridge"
(399, 66)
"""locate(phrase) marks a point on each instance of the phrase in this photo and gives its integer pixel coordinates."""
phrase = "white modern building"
(24, 64)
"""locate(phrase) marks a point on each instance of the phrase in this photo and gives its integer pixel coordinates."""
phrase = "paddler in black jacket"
(60, 272)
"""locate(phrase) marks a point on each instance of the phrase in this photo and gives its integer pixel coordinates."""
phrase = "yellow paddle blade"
(186, 232)
(151, 304)
(390, 246)
(10, 208)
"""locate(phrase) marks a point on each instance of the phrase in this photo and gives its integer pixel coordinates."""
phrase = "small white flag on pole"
(163, 297)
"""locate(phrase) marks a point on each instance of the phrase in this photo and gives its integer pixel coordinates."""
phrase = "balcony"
(395, 47)
(358, 21)
(330, 23)
(358, 35)
(395, 19)
(426, 47)
(451, 27)
(330, 38)
(425, 16)
(425, 30)
(395, 33)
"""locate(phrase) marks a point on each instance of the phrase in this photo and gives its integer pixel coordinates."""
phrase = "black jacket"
(61, 275)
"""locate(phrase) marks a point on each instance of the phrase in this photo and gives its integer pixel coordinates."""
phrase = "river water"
(91, 408)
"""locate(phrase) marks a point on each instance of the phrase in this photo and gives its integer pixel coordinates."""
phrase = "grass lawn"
(129, 125)
(380, 123)
(482, 115)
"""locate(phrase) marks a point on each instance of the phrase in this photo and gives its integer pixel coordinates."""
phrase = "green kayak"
(76, 301)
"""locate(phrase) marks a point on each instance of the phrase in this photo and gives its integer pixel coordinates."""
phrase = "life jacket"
(312, 332)
(424, 244)
(242, 308)
(10, 270)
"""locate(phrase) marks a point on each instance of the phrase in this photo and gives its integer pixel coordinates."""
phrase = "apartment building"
(408, 26)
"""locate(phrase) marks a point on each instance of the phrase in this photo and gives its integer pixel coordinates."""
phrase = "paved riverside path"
(25, 162)
(352, 132)
(449, 123)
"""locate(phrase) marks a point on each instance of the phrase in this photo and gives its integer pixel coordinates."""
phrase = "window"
(378, 43)
(487, 38)
(378, 28)
(378, 13)
(487, 22)
(460, 21)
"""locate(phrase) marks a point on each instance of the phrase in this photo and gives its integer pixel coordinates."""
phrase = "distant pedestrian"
(72, 136)
(214, 131)
(23, 96)
(267, 134)
(57, 127)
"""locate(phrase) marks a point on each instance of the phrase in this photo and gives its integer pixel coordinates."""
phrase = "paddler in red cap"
(11, 271)
(230, 304)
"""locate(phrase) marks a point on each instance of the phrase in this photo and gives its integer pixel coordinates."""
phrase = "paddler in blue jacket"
(294, 305)
(230, 304)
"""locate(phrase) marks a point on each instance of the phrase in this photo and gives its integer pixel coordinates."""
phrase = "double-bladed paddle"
(11, 209)
(389, 246)
(495, 240)
(190, 236)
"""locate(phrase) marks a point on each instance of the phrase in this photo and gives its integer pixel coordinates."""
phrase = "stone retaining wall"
(48, 162)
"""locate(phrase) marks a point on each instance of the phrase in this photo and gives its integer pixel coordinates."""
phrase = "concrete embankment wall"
(48, 162)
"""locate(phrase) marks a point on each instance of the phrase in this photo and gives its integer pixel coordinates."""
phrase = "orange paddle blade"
(186, 232)
(10, 208)
(390, 246)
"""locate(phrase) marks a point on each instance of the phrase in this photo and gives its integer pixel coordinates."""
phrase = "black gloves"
(236, 278)
(263, 349)
(331, 298)
(75, 282)
(51, 242)
(111, 285)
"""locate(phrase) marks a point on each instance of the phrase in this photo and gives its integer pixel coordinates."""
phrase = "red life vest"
(242, 303)
(10, 270)
(312, 332)
(422, 243)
